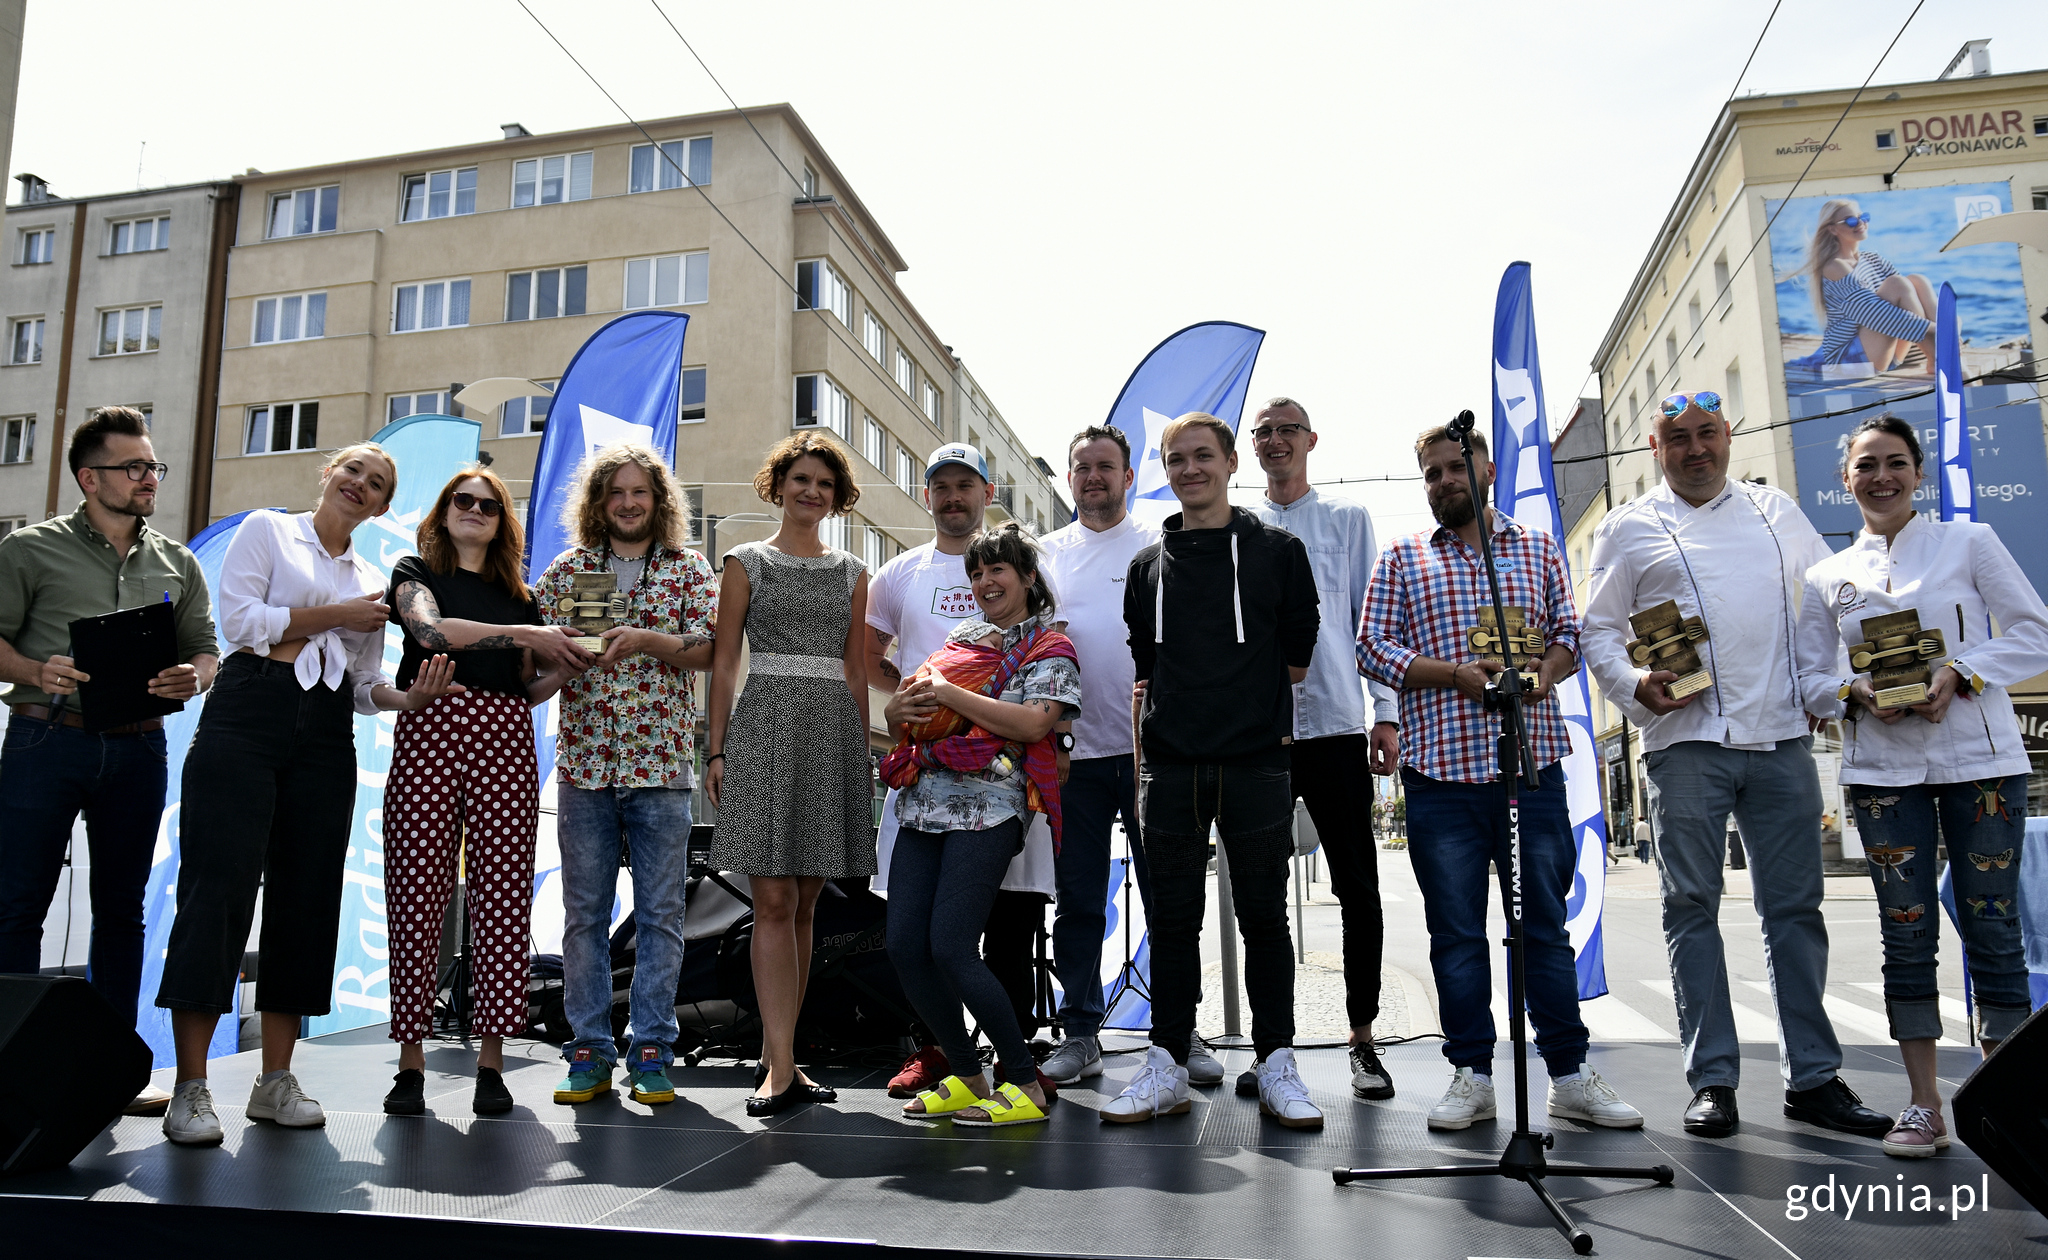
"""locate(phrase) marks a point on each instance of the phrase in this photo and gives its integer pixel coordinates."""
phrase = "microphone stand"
(1523, 1159)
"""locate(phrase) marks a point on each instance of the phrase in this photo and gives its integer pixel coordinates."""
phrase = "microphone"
(1460, 426)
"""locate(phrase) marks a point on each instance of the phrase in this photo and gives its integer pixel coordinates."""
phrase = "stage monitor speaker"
(2002, 1111)
(41, 1127)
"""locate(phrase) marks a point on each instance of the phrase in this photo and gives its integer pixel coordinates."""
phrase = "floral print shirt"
(633, 725)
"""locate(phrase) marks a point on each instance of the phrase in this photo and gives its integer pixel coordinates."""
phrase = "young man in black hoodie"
(1222, 615)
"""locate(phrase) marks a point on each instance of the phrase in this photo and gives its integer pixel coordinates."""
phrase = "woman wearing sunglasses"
(463, 777)
(1950, 770)
(1860, 298)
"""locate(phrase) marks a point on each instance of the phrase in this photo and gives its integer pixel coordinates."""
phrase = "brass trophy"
(1665, 641)
(595, 604)
(1898, 656)
(1485, 639)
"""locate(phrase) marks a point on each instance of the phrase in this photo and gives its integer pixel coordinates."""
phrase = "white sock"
(1483, 1076)
(1560, 1080)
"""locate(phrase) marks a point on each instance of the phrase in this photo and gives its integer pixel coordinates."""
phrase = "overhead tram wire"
(874, 369)
(1753, 48)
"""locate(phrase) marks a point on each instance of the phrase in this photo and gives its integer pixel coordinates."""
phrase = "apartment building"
(111, 300)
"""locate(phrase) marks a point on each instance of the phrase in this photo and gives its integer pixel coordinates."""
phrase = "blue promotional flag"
(1204, 367)
(1958, 478)
(428, 450)
(1525, 487)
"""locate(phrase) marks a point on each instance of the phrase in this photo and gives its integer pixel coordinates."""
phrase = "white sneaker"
(284, 1102)
(189, 1120)
(1586, 1097)
(1077, 1057)
(1468, 1099)
(1282, 1094)
(1203, 1069)
(1161, 1089)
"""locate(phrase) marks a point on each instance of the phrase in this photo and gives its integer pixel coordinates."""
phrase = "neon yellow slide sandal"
(958, 1098)
(1010, 1106)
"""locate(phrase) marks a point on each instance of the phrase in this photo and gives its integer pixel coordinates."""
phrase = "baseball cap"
(956, 453)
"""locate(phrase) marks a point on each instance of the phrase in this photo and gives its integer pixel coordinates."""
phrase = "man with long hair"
(623, 760)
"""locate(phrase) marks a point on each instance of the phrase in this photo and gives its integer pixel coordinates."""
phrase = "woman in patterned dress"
(789, 772)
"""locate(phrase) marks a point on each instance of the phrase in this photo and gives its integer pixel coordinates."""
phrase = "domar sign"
(1966, 133)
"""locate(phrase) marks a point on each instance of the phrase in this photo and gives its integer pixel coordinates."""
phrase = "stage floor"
(1217, 1182)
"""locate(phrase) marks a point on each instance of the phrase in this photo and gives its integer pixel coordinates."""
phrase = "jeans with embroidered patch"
(1984, 824)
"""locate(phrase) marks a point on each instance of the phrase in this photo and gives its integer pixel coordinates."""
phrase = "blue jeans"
(656, 825)
(1096, 791)
(1775, 797)
(1985, 826)
(1454, 829)
(48, 776)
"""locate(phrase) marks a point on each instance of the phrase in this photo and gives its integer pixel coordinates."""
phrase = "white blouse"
(276, 563)
(1959, 577)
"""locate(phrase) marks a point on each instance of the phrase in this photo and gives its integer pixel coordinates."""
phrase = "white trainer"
(189, 1119)
(285, 1103)
(1203, 1069)
(1077, 1057)
(1586, 1097)
(1468, 1099)
(1283, 1096)
(1161, 1089)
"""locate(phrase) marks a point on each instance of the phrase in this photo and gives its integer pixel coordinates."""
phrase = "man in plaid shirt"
(1426, 593)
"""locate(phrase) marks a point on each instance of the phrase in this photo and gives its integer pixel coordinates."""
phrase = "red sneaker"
(919, 1072)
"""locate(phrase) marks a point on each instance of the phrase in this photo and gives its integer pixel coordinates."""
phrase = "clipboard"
(122, 651)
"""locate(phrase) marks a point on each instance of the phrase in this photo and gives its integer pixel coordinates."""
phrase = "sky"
(1071, 183)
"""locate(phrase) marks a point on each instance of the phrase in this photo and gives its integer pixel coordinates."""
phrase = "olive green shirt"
(62, 569)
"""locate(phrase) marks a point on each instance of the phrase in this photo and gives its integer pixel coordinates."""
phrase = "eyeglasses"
(464, 501)
(1706, 400)
(1267, 432)
(136, 469)
(1855, 220)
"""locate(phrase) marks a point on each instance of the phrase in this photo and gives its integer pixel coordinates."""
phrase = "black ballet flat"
(760, 1108)
(819, 1093)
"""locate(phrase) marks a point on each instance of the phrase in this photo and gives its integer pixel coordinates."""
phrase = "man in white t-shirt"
(914, 601)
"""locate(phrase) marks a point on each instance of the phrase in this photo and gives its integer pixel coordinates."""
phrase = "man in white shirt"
(914, 602)
(1742, 745)
(1087, 563)
(1332, 749)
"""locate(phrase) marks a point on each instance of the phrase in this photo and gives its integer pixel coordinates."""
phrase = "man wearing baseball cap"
(914, 601)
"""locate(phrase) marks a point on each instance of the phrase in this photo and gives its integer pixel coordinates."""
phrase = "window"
(1721, 277)
(819, 402)
(26, 345)
(693, 397)
(1635, 417)
(1650, 382)
(818, 287)
(18, 440)
(693, 514)
(810, 182)
(298, 317)
(931, 402)
(2041, 199)
(1887, 139)
(438, 194)
(873, 335)
(1731, 395)
(139, 236)
(521, 416)
(545, 181)
(2041, 126)
(282, 427)
(131, 331)
(544, 294)
(38, 245)
(905, 373)
(678, 164)
(873, 443)
(304, 211)
(832, 532)
(874, 547)
(8, 524)
(399, 406)
(907, 475)
(674, 280)
(1692, 313)
(434, 304)
(1670, 357)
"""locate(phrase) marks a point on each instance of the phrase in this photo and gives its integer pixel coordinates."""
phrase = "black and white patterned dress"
(798, 797)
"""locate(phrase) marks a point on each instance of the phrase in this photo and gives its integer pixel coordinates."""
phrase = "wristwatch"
(1063, 740)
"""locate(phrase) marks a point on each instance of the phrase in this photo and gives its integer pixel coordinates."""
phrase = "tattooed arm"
(882, 671)
(551, 645)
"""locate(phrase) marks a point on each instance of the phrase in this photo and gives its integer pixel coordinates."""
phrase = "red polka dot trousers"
(463, 771)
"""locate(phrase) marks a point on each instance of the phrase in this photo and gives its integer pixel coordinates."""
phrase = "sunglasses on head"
(1706, 400)
(464, 501)
(1855, 220)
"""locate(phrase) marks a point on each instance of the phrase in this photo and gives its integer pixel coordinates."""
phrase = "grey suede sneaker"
(1076, 1057)
(1203, 1069)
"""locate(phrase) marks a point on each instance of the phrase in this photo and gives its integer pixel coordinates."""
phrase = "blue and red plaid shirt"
(1425, 596)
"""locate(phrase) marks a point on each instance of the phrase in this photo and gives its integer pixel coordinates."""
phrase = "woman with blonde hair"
(463, 775)
(270, 783)
(1861, 297)
(789, 770)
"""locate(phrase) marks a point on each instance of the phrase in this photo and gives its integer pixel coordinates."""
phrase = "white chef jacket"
(1341, 552)
(276, 563)
(1738, 562)
(1086, 570)
(1958, 576)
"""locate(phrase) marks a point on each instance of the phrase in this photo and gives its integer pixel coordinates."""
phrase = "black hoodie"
(1237, 609)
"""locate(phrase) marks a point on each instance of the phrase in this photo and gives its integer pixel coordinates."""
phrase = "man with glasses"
(1734, 554)
(1332, 750)
(101, 558)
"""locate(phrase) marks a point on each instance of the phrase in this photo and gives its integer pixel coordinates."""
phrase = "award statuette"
(1665, 641)
(1485, 639)
(595, 604)
(1897, 654)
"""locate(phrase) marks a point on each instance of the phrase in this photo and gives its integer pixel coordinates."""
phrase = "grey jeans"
(1775, 797)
